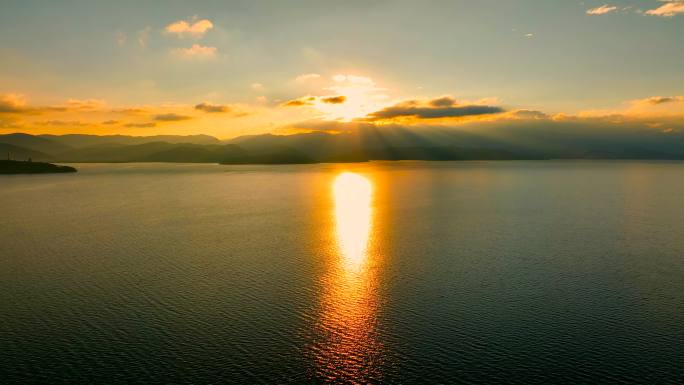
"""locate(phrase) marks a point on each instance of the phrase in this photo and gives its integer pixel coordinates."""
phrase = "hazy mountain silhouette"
(152, 152)
(20, 153)
(489, 142)
(270, 155)
(82, 140)
(35, 143)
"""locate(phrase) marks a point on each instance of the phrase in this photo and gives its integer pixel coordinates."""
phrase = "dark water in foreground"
(476, 272)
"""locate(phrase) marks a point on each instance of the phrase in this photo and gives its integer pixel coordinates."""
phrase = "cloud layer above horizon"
(225, 70)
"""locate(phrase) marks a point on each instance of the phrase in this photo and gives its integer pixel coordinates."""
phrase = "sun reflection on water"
(348, 350)
(353, 194)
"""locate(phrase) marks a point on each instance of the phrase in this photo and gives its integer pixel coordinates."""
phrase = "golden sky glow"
(264, 69)
(362, 95)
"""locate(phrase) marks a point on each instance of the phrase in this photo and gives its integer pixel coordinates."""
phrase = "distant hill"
(81, 140)
(316, 145)
(189, 153)
(510, 142)
(23, 167)
(34, 143)
(496, 141)
(112, 152)
(20, 153)
(269, 155)
(365, 146)
(152, 152)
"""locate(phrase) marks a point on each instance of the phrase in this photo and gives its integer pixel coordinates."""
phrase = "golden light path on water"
(353, 196)
(349, 351)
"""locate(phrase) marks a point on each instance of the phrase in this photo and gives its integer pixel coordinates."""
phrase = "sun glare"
(349, 351)
(362, 97)
(353, 195)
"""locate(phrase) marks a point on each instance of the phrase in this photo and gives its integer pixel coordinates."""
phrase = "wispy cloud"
(194, 27)
(131, 110)
(12, 103)
(334, 99)
(141, 125)
(653, 108)
(6, 123)
(121, 38)
(143, 36)
(171, 117)
(63, 123)
(656, 100)
(669, 9)
(528, 114)
(305, 101)
(86, 105)
(206, 107)
(602, 10)
(307, 77)
(17, 104)
(313, 100)
(196, 51)
(353, 79)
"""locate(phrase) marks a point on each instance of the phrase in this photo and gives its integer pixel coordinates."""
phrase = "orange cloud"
(194, 28)
(12, 103)
(669, 9)
(656, 100)
(602, 10)
(334, 99)
(306, 101)
(16, 104)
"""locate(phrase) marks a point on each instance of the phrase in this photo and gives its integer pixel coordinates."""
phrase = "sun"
(362, 97)
(352, 108)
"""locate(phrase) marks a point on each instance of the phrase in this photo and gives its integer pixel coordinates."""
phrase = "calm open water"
(406, 272)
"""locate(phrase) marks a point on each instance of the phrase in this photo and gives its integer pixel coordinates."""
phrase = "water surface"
(398, 272)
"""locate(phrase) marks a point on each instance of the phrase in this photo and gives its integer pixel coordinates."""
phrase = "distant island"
(28, 167)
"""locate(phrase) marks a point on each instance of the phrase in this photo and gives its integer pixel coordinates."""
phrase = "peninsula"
(28, 167)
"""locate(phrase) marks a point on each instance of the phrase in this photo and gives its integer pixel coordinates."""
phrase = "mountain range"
(359, 145)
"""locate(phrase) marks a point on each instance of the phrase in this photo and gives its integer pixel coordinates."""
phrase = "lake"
(398, 272)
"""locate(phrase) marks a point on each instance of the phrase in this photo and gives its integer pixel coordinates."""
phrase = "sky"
(230, 68)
